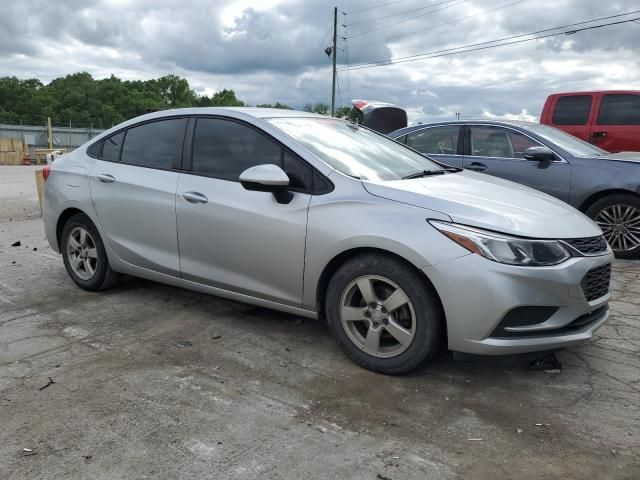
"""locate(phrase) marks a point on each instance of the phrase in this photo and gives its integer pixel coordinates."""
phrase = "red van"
(608, 119)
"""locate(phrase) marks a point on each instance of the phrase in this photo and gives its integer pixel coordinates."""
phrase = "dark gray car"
(604, 186)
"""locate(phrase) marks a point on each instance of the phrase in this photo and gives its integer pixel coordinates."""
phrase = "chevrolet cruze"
(323, 218)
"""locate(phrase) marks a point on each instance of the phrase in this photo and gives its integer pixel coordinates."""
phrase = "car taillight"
(46, 171)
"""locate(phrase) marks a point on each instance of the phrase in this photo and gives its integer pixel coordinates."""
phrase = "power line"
(409, 19)
(432, 27)
(398, 14)
(375, 6)
(486, 45)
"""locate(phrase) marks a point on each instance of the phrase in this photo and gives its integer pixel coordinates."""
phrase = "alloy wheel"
(377, 316)
(620, 225)
(82, 253)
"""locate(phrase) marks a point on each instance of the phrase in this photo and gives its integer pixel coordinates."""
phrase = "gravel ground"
(150, 381)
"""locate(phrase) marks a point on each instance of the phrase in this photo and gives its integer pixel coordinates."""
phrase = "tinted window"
(572, 110)
(111, 148)
(442, 140)
(619, 110)
(94, 150)
(300, 174)
(224, 149)
(154, 144)
(498, 142)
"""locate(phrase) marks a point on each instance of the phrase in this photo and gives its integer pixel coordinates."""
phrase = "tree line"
(81, 100)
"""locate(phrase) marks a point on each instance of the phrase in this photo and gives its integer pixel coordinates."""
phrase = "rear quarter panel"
(67, 187)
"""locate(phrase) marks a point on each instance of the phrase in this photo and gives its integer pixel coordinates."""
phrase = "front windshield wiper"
(428, 173)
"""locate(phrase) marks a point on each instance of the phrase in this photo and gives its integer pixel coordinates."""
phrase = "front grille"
(588, 246)
(595, 283)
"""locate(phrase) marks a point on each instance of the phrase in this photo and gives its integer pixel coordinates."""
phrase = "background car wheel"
(84, 256)
(385, 316)
(619, 218)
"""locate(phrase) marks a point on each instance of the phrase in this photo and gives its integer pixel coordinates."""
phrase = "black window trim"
(187, 164)
(178, 157)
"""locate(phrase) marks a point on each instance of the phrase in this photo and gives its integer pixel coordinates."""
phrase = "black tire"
(625, 200)
(429, 318)
(104, 277)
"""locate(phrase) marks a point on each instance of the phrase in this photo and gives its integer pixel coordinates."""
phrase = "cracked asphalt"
(151, 381)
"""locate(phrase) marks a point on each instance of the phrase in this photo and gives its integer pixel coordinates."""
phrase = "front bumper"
(478, 294)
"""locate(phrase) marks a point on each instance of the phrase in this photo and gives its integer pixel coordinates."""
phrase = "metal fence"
(36, 136)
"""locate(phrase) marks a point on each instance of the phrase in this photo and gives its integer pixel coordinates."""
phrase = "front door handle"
(106, 178)
(195, 197)
(598, 135)
(477, 167)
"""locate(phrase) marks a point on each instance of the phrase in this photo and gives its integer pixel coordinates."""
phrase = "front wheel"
(619, 218)
(384, 314)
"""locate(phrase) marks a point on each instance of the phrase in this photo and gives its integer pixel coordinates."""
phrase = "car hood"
(491, 203)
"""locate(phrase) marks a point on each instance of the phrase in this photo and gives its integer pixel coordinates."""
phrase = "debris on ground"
(35, 249)
(548, 363)
(216, 337)
(88, 457)
(16, 244)
(216, 368)
(49, 383)
(474, 439)
(519, 430)
(183, 344)
(27, 452)
(382, 477)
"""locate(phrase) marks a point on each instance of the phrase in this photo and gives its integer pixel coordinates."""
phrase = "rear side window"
(94, 150)
(111, 148)
(572, 110)
(438, 140)
(619, 109)
(154, 144)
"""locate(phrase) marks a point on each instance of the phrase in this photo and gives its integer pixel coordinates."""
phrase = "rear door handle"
(106, 178)
(477, 167)
(599, 135)
(195, 197)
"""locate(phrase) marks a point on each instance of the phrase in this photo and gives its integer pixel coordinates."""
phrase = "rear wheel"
(84, 255)
(619, 218)
(384, 314)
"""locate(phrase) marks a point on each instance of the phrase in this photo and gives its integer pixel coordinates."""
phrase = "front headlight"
(504, 248)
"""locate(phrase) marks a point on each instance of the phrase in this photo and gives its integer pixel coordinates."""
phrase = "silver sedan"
(323, 218)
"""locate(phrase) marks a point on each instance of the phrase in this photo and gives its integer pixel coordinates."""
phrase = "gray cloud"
(273, 50)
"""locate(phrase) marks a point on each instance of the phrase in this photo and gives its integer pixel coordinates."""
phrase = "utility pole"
(334, 52)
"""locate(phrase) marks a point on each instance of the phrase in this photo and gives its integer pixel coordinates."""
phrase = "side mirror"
(544, 155)
(267, 178)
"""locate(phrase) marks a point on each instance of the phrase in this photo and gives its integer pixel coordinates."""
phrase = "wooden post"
(49, 133)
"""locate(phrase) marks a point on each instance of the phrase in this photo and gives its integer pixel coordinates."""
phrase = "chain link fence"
(68, 137)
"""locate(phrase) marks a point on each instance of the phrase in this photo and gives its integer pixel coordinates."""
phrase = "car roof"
(257, 112)
(507, 123)
(593, 92)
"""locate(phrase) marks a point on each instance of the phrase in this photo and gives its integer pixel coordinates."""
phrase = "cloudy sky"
(273, 50)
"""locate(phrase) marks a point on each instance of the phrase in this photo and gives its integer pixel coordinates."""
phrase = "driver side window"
(498, 142)
(435, 140)
(224, 149)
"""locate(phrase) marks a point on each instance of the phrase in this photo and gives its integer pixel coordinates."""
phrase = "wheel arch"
(62, 220)
(337, 261)
(593, 198)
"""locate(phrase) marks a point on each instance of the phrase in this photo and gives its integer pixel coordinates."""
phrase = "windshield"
(575, 146)
(354, 150)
